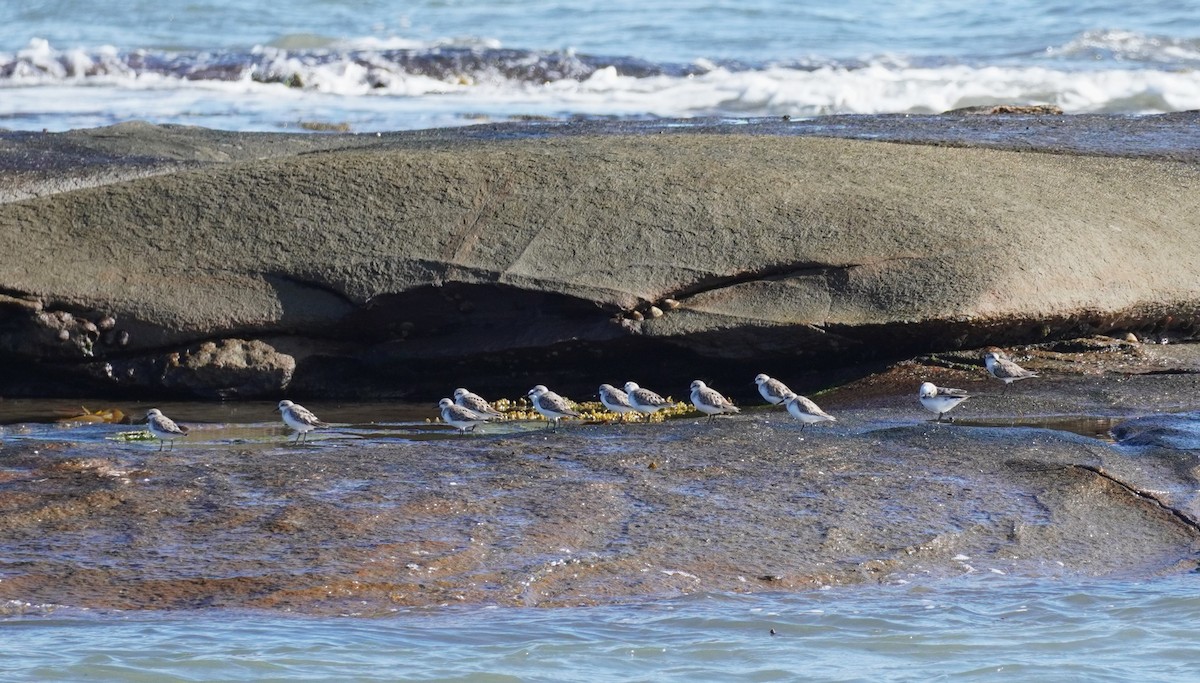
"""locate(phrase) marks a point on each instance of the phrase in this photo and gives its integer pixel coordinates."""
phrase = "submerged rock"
(1178, 431)
(399, 260)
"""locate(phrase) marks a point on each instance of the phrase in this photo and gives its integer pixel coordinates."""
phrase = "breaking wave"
(467, 83)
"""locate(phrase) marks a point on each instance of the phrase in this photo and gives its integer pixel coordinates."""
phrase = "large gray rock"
(378, 262)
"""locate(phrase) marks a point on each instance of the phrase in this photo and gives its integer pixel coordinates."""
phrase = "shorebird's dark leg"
(161, 444)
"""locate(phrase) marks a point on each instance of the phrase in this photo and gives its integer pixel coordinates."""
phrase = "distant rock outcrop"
(393, 265)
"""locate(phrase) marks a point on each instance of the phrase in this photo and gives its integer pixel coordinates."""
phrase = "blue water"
(370, 65)
(980, 628)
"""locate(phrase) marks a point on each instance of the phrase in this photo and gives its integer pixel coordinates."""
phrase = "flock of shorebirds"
(467, 410)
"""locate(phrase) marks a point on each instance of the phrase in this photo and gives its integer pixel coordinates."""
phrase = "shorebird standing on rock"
(164, 428)
(940, 400)
(300, 419)
(1004, 369)
(615, 400)
(552, 406)
(459, 417)
(805, 410)
(772, 390)
(645, 401)
(710, 401)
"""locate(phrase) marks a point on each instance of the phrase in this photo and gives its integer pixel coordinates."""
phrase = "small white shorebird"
(772, 390)
(1005, 370)
(475, 402)
(300, 419)
(552, 406)
(461, 417)
(710, 401)
(163, 428)
(645, 401)
(806, 411)
(940, 400)
(615, 400)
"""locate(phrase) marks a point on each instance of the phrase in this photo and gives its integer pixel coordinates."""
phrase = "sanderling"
(461, 417)
(645, 401)
(163, 428)
(552, 406)
(475, 402)
(709, 401)
(774, 391)
(300, 419)
(806, 411)
(940, 400)
(1005, 370)
(615, 400)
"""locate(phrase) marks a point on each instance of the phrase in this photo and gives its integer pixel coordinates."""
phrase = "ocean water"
(981, 628)
(374, 65)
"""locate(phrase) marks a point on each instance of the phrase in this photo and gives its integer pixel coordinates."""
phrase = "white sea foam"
(372, 89)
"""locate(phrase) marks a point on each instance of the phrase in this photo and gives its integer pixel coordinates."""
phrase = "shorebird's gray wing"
(952, 393)
(478, 404)
(1005, 368)
(649, 398)
(807, 406)
(555, 403)
(459, 413)
(716, 400)
(305, 416)
(777, 389)
(165, 424)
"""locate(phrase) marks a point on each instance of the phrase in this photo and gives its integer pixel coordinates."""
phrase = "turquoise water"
(982, 628)
(375, 65)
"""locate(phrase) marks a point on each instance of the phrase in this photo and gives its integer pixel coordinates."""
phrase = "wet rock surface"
(1026, 481)
(224, 369)
(374, 263)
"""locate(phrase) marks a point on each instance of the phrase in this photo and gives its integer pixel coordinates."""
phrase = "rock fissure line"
(782, 272)
(473, 223)
(716, 283)
(1143, 494)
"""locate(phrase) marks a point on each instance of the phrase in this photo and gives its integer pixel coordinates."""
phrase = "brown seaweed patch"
(100, 468)
(61, 511)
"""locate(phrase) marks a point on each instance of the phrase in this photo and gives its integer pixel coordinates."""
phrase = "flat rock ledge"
(602, 514)
(348, 265)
